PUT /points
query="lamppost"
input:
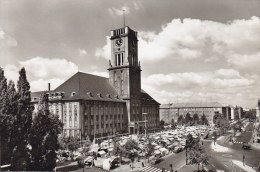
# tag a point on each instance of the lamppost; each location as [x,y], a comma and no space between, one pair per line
[186,152]
[145,124]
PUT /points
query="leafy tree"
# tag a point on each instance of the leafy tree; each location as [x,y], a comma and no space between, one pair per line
[251,114]
[196,118]
[197,154]
[131,145]
[189,141]
[188,119]
[220,122]
[149,148]
[22,124]
[204,120]
[180,120]
[162,124]
[173,125]
[4,118]
[69,143]
[44,137]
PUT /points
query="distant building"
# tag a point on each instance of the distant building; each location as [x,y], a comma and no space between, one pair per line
[174,110]
[258,110]
[93,106]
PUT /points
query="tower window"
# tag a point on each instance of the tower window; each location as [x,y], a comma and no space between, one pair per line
[119,59]
[122,56]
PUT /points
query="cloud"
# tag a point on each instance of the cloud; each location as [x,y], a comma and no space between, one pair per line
[104,52]
[227,73]
[40,67]
[196,86]
[204,40]
[41,71]
[82,52]
[6,40]
[222,78]
[115,11]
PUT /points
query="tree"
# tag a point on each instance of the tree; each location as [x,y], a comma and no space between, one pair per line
[22,124]
[188,119]
[173,125]
[130,148]
[149,148]
[204,120]
[189,141]
[197,154]
[44,137]
[251,114]
[220,121]
[196,118]
[4,118]
[162,124]
[180,120]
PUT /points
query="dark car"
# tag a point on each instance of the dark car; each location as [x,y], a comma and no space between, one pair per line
[246,147]
[156,161]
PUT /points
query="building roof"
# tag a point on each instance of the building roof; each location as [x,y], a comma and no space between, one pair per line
[145,97]
[85,86]
[88,87]
[192,105]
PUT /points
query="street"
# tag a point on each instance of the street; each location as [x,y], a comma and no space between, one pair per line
[220,160]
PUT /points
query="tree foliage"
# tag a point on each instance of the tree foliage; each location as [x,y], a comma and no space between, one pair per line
[22,124]
[180,120]
[220,121]
[173,125]
[162,122]
[188,119]
[197,154]
[44,137]
[5,121]
[204,120]
[196,118]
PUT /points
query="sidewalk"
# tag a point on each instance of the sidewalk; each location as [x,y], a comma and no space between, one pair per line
[244,167]
[127,167]
[190,168]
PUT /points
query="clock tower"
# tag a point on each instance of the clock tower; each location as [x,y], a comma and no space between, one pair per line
[125,71]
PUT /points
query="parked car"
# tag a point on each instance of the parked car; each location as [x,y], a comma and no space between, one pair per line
[246,146]
[156,161]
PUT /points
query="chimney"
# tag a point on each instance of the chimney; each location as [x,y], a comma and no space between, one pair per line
[49,86]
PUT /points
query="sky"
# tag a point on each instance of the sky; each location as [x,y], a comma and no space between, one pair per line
[190,50]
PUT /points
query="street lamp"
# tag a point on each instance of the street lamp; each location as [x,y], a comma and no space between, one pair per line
[145,123]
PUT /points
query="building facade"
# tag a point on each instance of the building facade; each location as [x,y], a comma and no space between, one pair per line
[93,106]
[174,110]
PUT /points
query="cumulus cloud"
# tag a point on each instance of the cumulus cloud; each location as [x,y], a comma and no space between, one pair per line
[223,85]
[112,11]
[104,52]
[6,40]
[236,42]
[40,67]
[82,52]
[41,71]
[222,78]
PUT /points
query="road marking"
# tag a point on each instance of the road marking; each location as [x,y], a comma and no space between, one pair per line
[226,165]
[213,165]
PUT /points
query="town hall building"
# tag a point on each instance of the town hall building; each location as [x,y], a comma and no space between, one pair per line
[91,106]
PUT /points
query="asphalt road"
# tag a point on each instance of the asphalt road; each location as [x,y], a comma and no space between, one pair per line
[177,160]
[252,157]
[220,160]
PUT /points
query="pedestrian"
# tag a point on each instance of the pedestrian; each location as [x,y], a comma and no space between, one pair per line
[142,164]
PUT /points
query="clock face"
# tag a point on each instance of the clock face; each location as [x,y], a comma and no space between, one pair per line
[119,42]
